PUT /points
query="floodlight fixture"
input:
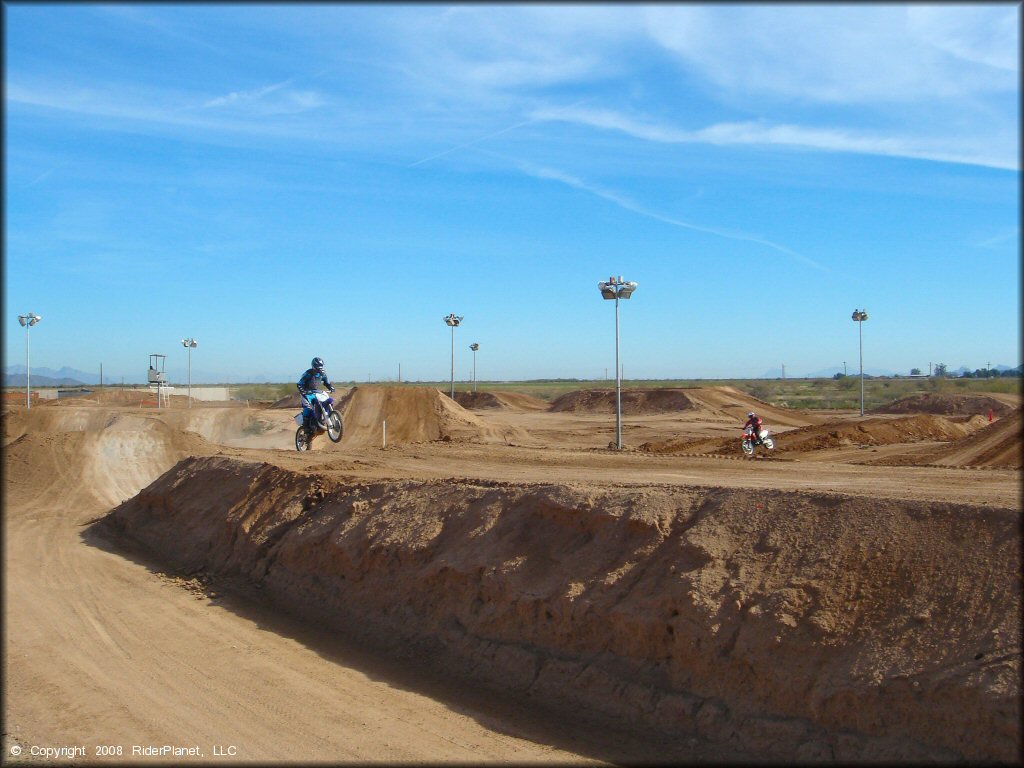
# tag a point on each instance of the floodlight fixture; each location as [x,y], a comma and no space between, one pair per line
[27,321]
[189,344]
[453,322]
[617,288]
[859,316]
[474,346]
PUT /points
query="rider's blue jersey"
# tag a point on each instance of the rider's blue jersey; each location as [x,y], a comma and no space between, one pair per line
[310,380]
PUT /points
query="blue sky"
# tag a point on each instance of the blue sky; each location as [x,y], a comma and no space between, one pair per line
[287,181]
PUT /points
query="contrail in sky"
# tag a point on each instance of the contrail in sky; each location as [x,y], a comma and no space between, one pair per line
[541,118]
[624,202]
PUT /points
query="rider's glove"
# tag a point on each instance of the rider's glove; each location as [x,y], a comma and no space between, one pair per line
[330,389]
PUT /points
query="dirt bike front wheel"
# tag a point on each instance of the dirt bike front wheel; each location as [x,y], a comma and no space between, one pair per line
[748,447]
[334,427]
[303,441]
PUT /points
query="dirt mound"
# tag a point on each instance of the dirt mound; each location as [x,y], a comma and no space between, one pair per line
[910,429]
[110,463]
[1000,444]
[997,445]
[723,401]
[947,404]
[736,404]
[877,431]
[12,422]
[634,401]
[807,626]
[292,401]
[412,415]
[512,401]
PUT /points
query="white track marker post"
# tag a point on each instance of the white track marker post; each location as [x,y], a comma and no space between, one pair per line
[384,433]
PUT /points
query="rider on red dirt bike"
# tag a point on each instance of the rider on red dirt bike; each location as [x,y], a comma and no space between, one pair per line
[308,385]
[754,422]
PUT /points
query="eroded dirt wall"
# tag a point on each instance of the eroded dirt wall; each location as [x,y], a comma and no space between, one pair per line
[800,625]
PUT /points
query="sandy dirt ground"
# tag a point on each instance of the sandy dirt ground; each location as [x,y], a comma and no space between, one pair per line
[184,577]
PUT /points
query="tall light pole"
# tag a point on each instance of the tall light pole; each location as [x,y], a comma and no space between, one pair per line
[27,321]
[859,316]
[617,288]
[189,344]
[453,321]
[474,346]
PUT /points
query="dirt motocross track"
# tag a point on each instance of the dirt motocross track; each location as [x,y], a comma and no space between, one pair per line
[496,585]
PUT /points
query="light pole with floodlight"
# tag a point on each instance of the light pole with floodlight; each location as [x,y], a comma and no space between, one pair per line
[453,321]
[617,288]
[27,321]
[189,344]
[474,346]
[859,316]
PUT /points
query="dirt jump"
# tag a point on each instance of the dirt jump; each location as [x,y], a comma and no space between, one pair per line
[952,405]
[183,575]
[500,400]
[722,401]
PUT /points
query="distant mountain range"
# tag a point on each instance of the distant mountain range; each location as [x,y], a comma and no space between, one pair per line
[14,376]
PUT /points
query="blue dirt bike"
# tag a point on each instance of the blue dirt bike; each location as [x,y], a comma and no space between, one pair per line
[324,419]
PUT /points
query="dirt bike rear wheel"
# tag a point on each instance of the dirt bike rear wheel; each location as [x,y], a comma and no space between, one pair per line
[303,440]
[334,427]
[769,443]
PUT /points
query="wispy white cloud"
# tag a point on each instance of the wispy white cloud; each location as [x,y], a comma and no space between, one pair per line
[541,116]
[623,201]
[247,113]
[285,100]
[998,239]
[495,48]
[762,133]
[984,34]
[145,17]
[844,53]
[43,176]
[236,97]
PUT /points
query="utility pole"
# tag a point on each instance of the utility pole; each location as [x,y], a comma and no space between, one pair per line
[783,371]
[101,375]
[844,367]
[929,370]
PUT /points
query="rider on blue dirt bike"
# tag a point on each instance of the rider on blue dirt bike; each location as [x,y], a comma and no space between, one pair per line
[308,386]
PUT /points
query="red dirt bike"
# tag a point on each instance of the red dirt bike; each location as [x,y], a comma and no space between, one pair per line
[748,440]
[324,419]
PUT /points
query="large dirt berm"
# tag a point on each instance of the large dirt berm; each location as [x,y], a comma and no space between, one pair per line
[803,626]
[999,445]
[399,415]
[947,404]
[634,401]
[873,431]
[506,401]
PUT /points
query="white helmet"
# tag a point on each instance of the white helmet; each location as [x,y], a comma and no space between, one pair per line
[751,415]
